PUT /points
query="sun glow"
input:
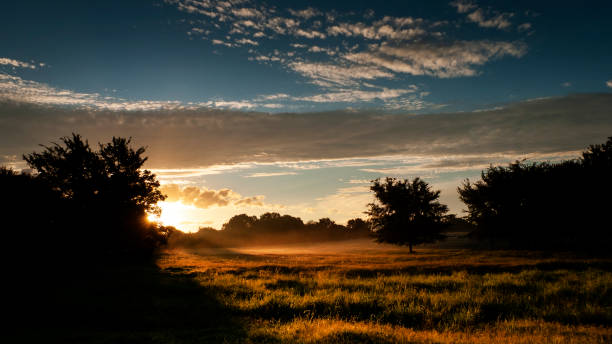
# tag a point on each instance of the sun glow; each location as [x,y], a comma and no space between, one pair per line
[178,215]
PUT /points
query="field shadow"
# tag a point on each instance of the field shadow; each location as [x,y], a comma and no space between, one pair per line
[120,304]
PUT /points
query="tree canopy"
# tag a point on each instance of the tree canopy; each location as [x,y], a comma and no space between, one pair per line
[544,204]
[96,202]
[406,212]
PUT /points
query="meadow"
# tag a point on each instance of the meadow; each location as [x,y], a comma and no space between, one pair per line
[340,292]
[363,292]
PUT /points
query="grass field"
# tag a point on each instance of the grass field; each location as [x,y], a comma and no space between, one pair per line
[348,292]
[361,292]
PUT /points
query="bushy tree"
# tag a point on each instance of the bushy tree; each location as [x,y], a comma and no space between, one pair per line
[544,204]
[358,227]
[502,197]
[598,156]
[102,197]
[406,212]
[127,184]
[239,225]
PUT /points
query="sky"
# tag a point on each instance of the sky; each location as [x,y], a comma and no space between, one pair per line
[294,107]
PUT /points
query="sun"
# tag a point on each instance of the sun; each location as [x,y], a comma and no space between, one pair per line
[188,218]
[173,214]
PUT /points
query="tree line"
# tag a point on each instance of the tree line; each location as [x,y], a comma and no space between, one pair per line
[271,229]
[92,204]
[540,205]
[545,205]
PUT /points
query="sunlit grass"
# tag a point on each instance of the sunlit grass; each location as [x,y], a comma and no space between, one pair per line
[338,331]
[445,296]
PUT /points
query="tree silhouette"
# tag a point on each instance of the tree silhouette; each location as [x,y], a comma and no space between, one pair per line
[599,156]
[358,227]
[544,204]
[128,185]
[240,225]
[103,197]
[407,212]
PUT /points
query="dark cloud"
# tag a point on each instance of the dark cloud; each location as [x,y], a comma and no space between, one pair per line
[197,138]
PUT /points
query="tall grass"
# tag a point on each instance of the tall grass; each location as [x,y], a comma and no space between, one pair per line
[444,296]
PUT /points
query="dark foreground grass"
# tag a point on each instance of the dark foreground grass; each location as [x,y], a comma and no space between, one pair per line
[365,294]
[119,304]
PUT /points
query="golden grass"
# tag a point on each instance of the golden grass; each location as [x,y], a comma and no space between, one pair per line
[338,331]
[382,294]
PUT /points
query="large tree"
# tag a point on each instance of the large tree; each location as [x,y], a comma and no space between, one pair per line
[103,196]
[406,212]
[561,205]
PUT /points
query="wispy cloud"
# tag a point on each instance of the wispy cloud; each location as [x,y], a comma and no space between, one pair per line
[332,163]
[274,96]
[524,26]
[340,54]
[310,34]
[349,95]
[386,28]
[359,181]
[173,173]
[270,174]
[486,18]
[306,13]
[444,60]
[221,42]
[246,41]
[4,61]
[17,89]
[499,21]
[241,104]
[460,162]
[327,74]
[411,103]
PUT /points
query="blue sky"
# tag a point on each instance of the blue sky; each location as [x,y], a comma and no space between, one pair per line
[294,106]
[286,56]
